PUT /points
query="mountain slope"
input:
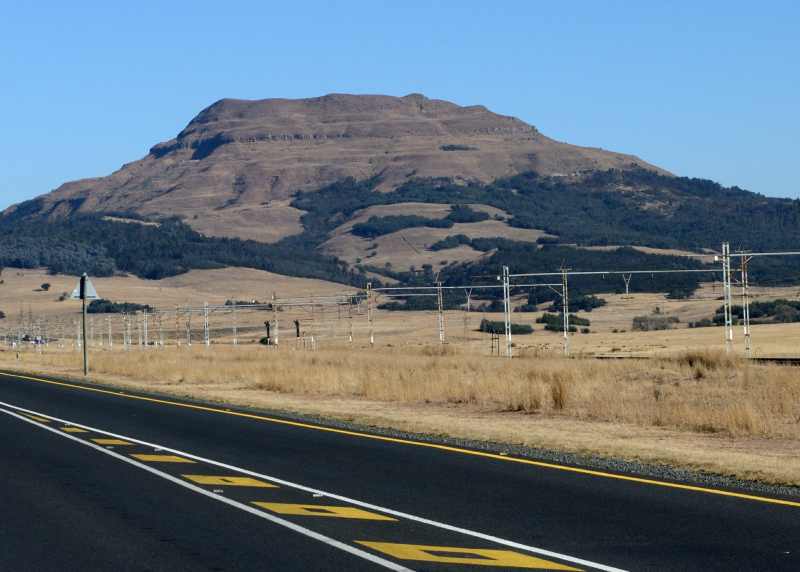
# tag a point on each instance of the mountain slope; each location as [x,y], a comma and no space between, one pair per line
[234,169]
[344,187]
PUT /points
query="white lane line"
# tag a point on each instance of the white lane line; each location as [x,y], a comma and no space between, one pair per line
[241,506]
[403,515]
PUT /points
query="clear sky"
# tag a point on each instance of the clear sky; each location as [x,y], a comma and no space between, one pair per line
[702,88]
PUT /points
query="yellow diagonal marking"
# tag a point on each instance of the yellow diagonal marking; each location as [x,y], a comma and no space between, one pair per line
[229,481]
[73,430]
[467,556]
[161,458]
[323,511]
[39,419]
[111,442]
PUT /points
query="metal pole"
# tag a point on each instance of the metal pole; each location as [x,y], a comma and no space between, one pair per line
[275,316]
[507,312]
[565,308]
[728,309]
[440,302]
[466,315]
[235,327]
[206,330]
[369,314]
[746,307]
[85,345]
[627,279]
[188,325]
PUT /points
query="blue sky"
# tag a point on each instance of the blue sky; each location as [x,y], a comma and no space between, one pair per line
[707,89]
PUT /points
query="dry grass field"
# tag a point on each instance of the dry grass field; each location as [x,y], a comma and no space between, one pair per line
[701,410]
[21,289]
[690,405]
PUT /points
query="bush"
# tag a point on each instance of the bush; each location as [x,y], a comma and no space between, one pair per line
[378,226]
[579,303]
[497,327]
[457,147]
[450,242]
[679,293]
[555,322]
[773,311]
[102,306]
[653,322]
[463,213]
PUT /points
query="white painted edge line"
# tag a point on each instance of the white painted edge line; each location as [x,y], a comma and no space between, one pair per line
[241,506]
[399,514]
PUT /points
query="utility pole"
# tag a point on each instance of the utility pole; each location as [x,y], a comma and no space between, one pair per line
[369,314]
[728,301]
[507,311]
[627,279]
[110,333]
[188,325]
[466,315]
[206,329]
[565,308]
[275,317]
[440,303]
[235,326]
[748,348]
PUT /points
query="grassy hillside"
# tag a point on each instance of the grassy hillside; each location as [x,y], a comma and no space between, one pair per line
[612,207]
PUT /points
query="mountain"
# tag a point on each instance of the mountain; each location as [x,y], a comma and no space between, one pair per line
[235,167]
[348,188]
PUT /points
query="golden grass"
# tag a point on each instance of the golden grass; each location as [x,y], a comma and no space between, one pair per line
[695,391]
[702,410]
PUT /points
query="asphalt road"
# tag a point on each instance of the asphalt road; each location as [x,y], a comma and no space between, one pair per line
[99,480]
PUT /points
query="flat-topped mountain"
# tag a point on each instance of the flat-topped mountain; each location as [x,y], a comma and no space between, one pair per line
[357,187]
[235,167]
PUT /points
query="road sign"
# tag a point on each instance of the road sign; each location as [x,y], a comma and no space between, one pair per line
[84,290]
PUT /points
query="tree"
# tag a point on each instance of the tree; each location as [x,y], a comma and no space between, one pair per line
[45,286]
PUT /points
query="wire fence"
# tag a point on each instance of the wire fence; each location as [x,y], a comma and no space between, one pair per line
[483,316]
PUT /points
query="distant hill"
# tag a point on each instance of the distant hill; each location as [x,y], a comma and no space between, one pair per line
[349,188]
[234,169]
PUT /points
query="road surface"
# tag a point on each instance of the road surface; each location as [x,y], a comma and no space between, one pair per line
[98,479]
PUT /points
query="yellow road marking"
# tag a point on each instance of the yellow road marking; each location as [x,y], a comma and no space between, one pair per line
[39,419]
[73,430]
[437,446]
[229,481]
[161,458]
[111,442]
[324,511]
[469,556]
